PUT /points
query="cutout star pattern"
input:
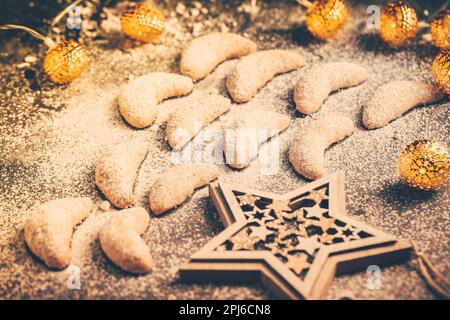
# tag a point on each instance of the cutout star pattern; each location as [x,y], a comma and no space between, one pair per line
[242,242]
[297,263]
[247,200]
[308,245]
[260,232]
[315,212]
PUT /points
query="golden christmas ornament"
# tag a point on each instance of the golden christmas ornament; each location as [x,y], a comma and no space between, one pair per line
[440,30]
[143,22]
[398,23]
[441,69]
[66,61]
[425,164]
[326,17]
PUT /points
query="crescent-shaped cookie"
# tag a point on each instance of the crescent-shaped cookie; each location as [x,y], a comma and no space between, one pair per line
[138,99]
[174,186]
[205,53]
[247,131]
[48,231]
[117,169]
[187,121]
[255,70]
[307,151]
[316,84]
[120,239]
[392,100]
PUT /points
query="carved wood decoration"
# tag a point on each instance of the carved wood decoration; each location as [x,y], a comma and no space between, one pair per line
[293,243]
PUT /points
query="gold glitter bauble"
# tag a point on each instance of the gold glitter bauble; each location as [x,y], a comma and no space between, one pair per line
[398,23]
[441,69]
[425,164]
[440,30]
[143,22]
[66,61]
[326,17]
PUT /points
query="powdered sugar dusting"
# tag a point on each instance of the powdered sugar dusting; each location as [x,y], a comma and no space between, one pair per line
[51,144]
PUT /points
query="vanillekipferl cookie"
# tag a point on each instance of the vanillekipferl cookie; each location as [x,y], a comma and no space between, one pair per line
[317,83]
[252,72]
[116,171]
[185,122]
[307,150]
[139,98]
[244,134]
[205,53]
[120,239]
[48,230]
[175,185]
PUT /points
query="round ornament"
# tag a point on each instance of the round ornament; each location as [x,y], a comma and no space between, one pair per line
[143,22]
[398,23]
[441,70]
[440,30]
[326,17]
[66,61]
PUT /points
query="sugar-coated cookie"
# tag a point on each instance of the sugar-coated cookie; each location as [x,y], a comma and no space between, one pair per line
[120,239]
[314,87]
[117,169]
[246,132]
[392,100]
[174,186]
[205,53]
[255,70]
[186,122]
[138,99]
[307,150]
[48,231]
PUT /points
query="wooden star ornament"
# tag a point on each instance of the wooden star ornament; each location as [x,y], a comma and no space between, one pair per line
[295,257]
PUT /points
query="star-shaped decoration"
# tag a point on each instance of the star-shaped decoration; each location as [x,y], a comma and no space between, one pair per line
[279,206]
[323,223]
[348,232]
[315,212]
[308,245]
[242,241]
[297,263]
[261,232]
[276,250]
[287,216]
[325,238]
[300,265]
[276,224]
[247,200]
[258,215]
[299,215]
[317,195]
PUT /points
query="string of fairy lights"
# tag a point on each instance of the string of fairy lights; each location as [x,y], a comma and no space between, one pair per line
[144,22]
